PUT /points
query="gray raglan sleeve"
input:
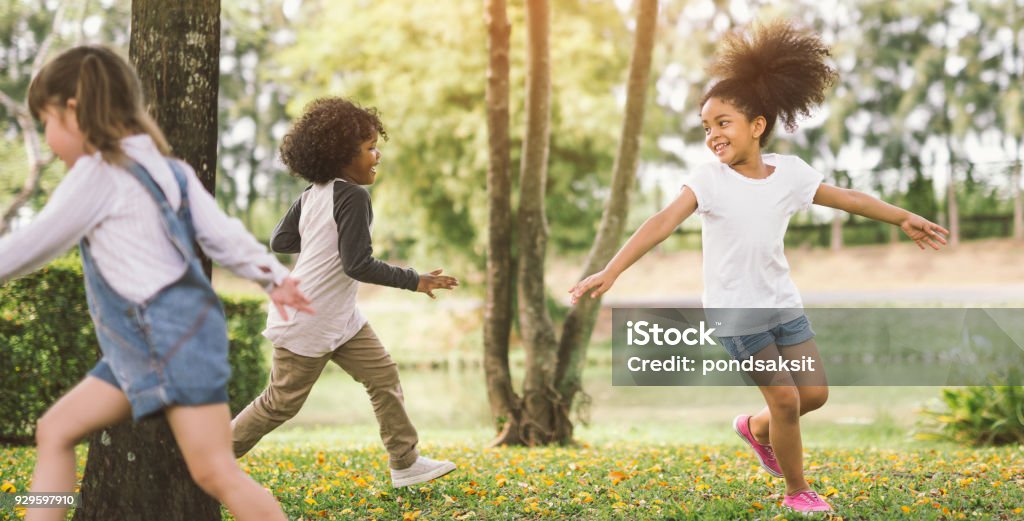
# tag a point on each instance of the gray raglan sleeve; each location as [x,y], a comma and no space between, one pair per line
[285,238]
[353,214]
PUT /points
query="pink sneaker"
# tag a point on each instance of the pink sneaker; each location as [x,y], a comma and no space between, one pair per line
[765,454]
[806,501]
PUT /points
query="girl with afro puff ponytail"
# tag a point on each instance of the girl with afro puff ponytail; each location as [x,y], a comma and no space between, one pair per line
[776,72]
[762,75]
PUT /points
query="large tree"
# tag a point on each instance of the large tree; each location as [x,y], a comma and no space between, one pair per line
[136,469]
[498,304]
[553,368]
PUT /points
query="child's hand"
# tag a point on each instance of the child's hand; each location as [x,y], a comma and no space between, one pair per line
[287,293]
[600,282]
[434,280]
[923,231]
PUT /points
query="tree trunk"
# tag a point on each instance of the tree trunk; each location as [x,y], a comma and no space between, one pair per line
[1018,204]
[579,325]
[505,406]
[541,403]
[953,209]
[134,469]
[176,50]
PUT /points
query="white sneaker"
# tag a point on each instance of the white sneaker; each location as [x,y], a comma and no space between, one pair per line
[424,469]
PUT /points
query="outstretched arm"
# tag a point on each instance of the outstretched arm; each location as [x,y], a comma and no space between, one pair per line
[79,203]
[920,230]
[353,215]
[654,230]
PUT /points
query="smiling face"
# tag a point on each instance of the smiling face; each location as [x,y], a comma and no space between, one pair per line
[363,168]
[729,134]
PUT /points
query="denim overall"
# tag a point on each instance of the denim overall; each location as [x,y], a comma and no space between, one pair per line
[173,348]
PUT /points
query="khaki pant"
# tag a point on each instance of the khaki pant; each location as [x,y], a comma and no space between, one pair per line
[292,377]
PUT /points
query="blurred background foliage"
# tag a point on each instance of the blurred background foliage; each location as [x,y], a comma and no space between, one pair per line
[929,91]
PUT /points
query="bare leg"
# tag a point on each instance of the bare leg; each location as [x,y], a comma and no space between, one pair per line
[784,429]
[812,387]
[86,408]
[204,435]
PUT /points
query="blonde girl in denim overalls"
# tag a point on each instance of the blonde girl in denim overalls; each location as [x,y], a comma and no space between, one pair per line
[135,213]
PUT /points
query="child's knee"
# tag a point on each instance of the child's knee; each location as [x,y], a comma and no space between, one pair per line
[813,398]
[280,406]
[280,410]
[213,476]
[783,400]
[52,432]
[381,378]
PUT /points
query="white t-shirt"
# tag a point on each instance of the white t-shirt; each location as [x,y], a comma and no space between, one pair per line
[744,221]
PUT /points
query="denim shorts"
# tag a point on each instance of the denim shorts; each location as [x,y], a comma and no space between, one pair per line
[790,333]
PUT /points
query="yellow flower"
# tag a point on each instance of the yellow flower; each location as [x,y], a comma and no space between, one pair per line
[616,477]
[411,516]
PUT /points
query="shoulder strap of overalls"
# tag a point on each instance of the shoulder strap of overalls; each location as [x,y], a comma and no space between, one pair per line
[178,225]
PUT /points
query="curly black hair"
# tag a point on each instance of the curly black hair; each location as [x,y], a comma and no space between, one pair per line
[777,71]
[326,138]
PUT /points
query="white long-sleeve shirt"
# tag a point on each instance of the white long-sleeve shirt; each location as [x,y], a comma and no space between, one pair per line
[110,207]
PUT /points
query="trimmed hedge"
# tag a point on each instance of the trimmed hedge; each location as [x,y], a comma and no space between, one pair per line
[47,345]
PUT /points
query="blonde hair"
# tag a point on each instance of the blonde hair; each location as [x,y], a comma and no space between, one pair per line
[108,95]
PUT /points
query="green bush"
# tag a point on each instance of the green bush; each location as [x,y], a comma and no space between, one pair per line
[49,345]
[980,415]
[246,319]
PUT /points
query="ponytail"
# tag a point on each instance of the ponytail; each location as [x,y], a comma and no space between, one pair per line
[107,94]
[777,71]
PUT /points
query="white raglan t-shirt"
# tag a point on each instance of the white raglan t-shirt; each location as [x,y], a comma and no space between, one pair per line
[744,221]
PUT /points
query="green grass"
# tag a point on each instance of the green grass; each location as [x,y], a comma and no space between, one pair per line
[318,476]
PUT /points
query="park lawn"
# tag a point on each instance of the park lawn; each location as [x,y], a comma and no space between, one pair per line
[622,480]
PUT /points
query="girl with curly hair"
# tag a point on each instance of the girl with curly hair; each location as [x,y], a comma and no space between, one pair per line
[774,72]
